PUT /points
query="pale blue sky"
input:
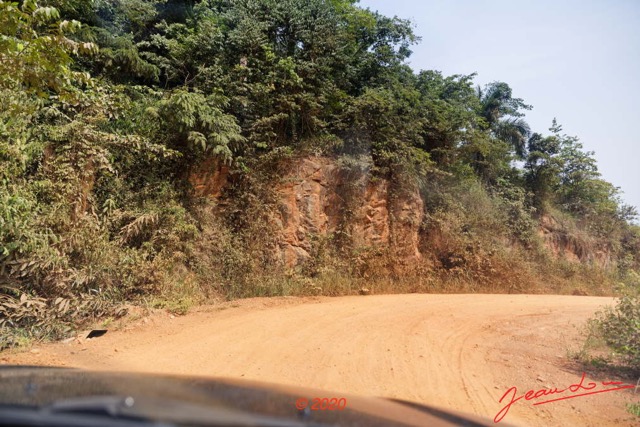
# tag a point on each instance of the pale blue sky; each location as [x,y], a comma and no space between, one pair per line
[577,60]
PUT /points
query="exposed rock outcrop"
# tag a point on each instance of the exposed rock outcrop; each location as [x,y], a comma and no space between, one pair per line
[209,178]
[317,198]
[573,248]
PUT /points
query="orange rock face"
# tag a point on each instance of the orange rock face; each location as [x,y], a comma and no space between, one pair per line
[317,199]
[209,178]
[573,249]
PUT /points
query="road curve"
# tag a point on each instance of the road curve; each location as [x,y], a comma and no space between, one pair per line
[455,351]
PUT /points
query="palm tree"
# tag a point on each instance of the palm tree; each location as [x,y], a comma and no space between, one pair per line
[514,131]
[502,114]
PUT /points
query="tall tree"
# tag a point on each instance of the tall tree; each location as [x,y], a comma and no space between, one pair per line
[503,114]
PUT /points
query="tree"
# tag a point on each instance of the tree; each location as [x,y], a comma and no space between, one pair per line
[35,50]
[449,107]
[193,123]
[543,167]
[503,114]
[36,57]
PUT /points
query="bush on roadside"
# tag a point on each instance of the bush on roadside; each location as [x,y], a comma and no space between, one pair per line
[620,325]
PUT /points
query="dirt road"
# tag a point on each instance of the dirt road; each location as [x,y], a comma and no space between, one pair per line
[455,351]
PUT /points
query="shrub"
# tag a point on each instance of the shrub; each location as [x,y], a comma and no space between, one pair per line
[620,325]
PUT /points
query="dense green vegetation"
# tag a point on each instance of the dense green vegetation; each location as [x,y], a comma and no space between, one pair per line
[106,106]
